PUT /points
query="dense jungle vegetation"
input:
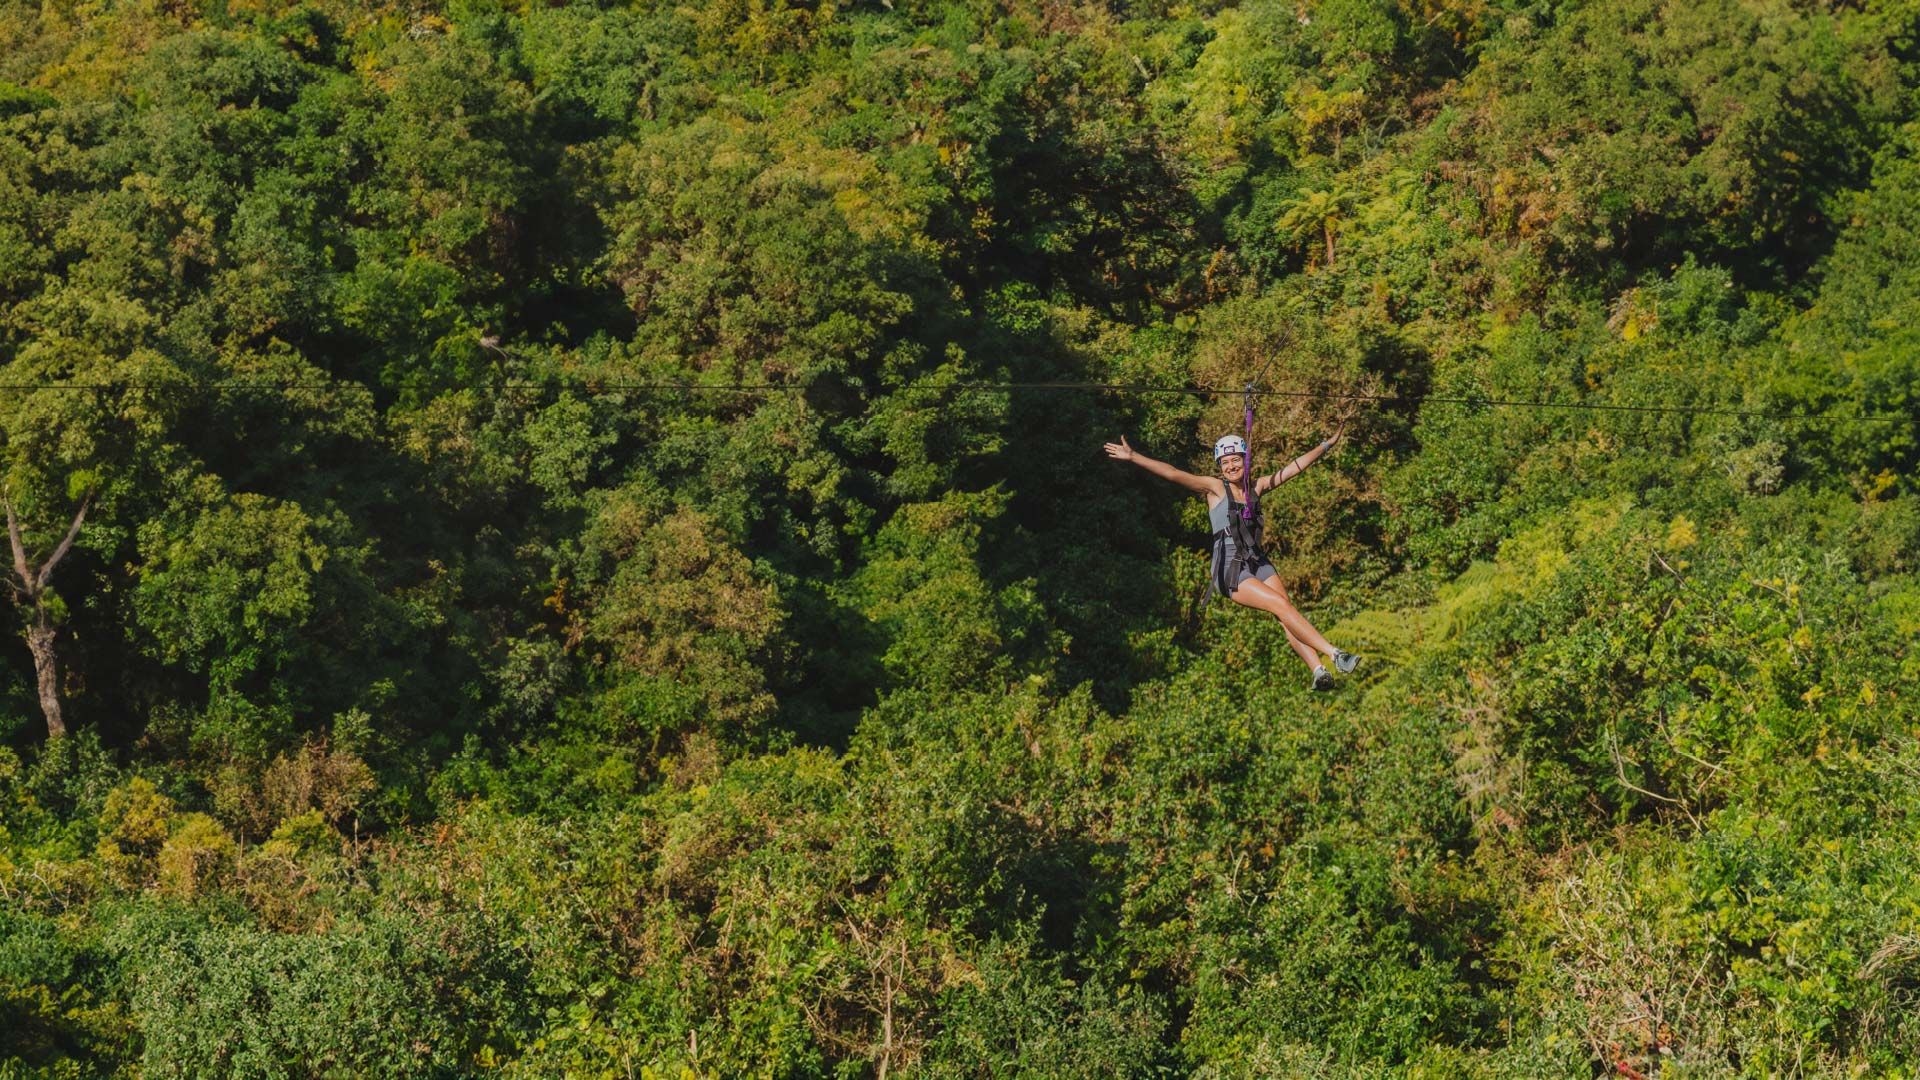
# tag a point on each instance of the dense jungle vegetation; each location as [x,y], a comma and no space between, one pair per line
[435,691]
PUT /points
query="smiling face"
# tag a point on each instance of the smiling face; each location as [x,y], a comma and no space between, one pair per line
[1233,467]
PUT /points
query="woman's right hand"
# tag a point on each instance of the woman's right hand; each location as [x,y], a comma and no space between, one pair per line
[1120,451]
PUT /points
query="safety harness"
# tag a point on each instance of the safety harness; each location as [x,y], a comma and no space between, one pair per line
[1246,528]
[1247,535]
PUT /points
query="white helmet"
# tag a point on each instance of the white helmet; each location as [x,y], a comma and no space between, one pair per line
[1229,444]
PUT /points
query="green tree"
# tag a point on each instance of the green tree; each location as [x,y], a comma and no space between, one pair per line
[1316,216]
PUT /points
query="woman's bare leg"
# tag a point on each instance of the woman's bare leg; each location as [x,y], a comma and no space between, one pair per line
[1300,649]
[1255,593]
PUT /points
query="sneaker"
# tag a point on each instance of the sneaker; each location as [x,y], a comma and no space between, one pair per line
[1322,678]
[1345,661]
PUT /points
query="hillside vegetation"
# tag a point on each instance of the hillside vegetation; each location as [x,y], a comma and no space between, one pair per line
[432,689]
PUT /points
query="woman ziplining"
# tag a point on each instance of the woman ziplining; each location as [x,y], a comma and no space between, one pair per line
[1241,569]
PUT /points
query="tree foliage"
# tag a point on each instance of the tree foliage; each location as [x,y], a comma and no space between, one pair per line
[541,578]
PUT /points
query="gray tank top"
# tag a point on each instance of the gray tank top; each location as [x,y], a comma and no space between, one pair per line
[1227,570]
[1217,514]
[1218,518]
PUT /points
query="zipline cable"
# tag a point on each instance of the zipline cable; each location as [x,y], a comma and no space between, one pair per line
[1207,391]
[596,387]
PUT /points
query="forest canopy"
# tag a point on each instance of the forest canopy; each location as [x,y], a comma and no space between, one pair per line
[523,558]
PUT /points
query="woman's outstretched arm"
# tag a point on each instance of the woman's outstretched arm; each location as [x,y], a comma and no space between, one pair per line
[1300,464]
[1200,485]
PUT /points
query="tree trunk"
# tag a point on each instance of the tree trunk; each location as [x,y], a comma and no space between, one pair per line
[46,666]
[30,591]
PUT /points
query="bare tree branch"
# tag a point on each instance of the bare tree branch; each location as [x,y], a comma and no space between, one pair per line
[66,545]
[19,547]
